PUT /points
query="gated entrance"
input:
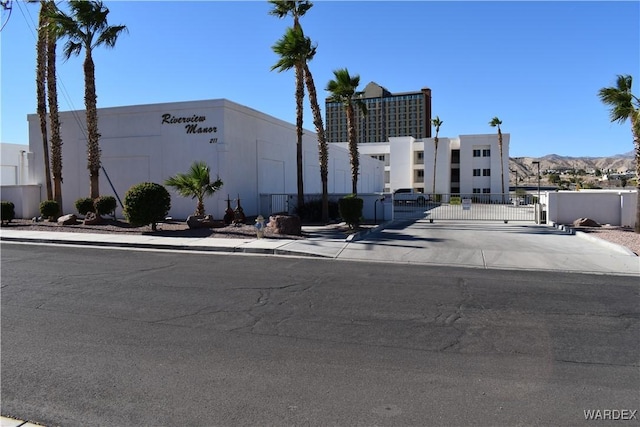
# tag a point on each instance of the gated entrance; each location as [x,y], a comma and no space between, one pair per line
[473,207]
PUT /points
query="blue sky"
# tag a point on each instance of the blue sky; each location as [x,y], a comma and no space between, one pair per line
[535,65]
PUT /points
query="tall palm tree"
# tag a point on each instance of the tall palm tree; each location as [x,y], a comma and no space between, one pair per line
[323,148]
[54,117]
[493,123]
[86,27]
[282,9]
[344,90]
[195,184]
[297,45]
[437,123]
[625,105]
[41,91]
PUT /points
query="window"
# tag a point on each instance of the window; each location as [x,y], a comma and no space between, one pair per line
[476,153]
[455,156]
[420,173]
[476,172]
[486,152]
[486,190]
[486,172]
[476,191]
[420,155]
[455,175]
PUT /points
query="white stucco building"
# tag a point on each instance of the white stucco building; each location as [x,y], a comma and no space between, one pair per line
[253,153]
[468,164]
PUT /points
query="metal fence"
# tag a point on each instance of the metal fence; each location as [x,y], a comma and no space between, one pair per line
[476,207]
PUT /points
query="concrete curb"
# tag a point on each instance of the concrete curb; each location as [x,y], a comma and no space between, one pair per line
[185,248]
[614,246]
[610,245]
[567,229]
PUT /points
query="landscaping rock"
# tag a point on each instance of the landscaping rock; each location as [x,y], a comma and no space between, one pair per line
[92,219]
[200,221]
[585,222]
[69,219]
[285,224]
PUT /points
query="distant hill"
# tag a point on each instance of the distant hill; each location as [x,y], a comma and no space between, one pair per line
[619,163]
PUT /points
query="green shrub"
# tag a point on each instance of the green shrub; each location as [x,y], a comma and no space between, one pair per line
[84,205]
[351,210]
[146,203]
[311,211]
[8,212]
[49,209]
[105,205]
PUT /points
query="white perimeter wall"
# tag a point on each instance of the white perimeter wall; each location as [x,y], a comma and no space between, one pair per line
[605,207]
[252,152]
[14,163]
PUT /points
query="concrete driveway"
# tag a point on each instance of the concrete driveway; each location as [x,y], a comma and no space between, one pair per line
[491,244]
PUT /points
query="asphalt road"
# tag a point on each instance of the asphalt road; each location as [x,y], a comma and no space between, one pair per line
[127,338]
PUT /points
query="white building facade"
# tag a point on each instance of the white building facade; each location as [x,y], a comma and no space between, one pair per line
[468,164]
[253,153]
[14,164]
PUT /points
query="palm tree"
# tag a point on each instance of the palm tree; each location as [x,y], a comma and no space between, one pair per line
[41,91]
[625,105]
[493,123]
[323,148]
[86,27]
[297,45]
[281,9]
[437,123]
[54,118]
[195,184]
[344,90]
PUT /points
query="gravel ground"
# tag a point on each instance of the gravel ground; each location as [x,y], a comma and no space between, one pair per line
[623,236]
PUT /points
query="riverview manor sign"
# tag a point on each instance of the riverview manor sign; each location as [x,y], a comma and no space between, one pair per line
[192,124]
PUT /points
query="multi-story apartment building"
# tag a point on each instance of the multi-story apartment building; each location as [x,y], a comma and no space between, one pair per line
[468,164]
[388,115]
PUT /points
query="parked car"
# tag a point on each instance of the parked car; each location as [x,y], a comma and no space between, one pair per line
[409,196]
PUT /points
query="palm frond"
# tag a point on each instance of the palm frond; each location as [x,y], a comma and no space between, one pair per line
[620,99]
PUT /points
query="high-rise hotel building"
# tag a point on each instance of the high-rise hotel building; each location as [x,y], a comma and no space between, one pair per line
[388,115]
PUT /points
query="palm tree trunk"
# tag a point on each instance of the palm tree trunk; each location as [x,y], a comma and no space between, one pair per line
[435,161]
[502,164]
[200,207]
[635,129]
[54,119]
[41,49]
[353,149]
[299,123]
[93,143]
[323,149]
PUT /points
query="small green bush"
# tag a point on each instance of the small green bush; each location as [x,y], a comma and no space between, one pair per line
[311,211]
[49,209]
[105,205]
[146,203]
[8,212]
[84,205]
[351,210]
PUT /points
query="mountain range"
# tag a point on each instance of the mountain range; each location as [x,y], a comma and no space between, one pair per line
[619,163]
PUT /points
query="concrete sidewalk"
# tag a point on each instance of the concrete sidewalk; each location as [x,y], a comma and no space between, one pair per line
[10,422]
[521,246]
